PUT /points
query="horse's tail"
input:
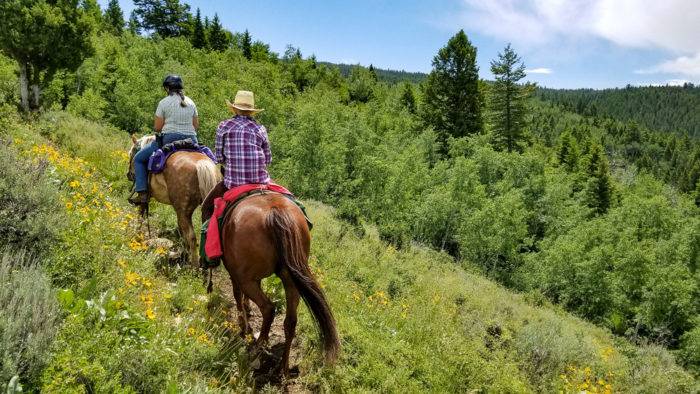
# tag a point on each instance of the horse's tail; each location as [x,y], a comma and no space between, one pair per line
[290,253]
[207,176]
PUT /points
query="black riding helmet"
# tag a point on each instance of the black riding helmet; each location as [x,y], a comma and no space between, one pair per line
[173,82]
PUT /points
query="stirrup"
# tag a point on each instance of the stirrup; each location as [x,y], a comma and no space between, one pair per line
[137,199]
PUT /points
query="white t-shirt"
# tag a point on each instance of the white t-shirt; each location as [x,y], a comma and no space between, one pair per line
[177,119]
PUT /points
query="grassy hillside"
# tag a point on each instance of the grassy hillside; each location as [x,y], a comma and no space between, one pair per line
[410,319]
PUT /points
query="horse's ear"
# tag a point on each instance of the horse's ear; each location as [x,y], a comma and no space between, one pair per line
[133,138]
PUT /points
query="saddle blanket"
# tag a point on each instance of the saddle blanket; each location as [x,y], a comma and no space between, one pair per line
[212,248]
[156,163]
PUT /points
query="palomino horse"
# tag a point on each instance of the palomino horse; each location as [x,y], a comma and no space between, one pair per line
[184,183]
[267,234]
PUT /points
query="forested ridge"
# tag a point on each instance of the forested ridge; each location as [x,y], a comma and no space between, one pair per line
[672,109]
[384,75]
[439,189]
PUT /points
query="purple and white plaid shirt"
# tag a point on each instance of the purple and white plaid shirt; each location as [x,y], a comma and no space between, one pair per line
[242,146]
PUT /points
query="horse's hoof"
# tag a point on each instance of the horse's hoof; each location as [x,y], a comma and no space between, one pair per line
[292,372]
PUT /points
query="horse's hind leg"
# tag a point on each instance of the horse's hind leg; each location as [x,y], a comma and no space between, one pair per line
[242,309]
[253,291]
[290,320]
[184,222]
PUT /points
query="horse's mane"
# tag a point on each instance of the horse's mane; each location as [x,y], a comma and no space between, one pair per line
[140,143]
[146,139]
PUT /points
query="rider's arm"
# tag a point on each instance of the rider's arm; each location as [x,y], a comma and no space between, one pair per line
[195,122]
[195,117]
[266,148]
[219,146]
[158,124]
[159,119]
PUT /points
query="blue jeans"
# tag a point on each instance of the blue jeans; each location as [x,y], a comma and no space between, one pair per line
[142,156]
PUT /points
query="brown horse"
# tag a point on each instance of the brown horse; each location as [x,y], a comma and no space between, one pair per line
[268,234]
[184,183]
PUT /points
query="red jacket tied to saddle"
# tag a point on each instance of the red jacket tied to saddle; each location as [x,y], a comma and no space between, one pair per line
[212,247]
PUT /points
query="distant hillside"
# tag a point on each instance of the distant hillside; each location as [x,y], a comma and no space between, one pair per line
[389,76]
[665,108]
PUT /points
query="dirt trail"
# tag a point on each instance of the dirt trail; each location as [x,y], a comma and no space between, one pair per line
[266,365]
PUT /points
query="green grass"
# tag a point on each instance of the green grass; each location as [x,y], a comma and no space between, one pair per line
[410,320]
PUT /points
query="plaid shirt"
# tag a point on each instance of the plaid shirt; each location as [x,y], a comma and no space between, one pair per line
[242,146]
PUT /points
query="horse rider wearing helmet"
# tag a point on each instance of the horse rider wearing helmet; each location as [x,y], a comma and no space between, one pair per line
[176,118]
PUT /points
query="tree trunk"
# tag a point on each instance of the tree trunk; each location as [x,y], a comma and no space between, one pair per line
[36,97]
[35,85]
[24,86]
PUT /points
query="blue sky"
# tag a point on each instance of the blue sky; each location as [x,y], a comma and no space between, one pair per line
[564,43]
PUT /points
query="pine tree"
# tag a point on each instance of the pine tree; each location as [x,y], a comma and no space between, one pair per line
[599,185]
[361,84]
[507,100]
[134,25]
[373,72]
[217,36]
[408,98]
[568,154]
[114,18]
[246,45]
[167,18]
[63,41]
[199,39]
[92,9]
[451,100]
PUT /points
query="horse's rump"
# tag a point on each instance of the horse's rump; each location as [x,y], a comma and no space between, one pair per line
[190,174]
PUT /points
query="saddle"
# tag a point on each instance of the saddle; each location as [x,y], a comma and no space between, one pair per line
[156,163]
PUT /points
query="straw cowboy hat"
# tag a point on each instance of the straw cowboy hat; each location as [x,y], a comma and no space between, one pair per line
[244,101]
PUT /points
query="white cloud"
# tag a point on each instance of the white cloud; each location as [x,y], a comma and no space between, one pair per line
[525,22]
[684,65]
[668,24]
[672,25]
[539,70]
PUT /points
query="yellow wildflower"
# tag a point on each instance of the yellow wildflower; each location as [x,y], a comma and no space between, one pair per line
[74,184]
[135,245]
[203,338]
[150,314]
[147,299]
[121,263]
[69,205]
[131,278]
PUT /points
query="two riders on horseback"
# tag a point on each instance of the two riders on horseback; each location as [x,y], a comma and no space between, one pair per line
[266,233]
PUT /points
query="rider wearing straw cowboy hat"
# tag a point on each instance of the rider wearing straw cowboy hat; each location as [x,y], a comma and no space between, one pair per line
[242,147]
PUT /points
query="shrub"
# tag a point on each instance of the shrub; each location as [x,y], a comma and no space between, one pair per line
[89,105]
[28,317]
[8,81]
[690,349]
[27,204]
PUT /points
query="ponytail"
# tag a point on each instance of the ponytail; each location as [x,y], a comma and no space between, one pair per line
[183,104]
[182,99]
